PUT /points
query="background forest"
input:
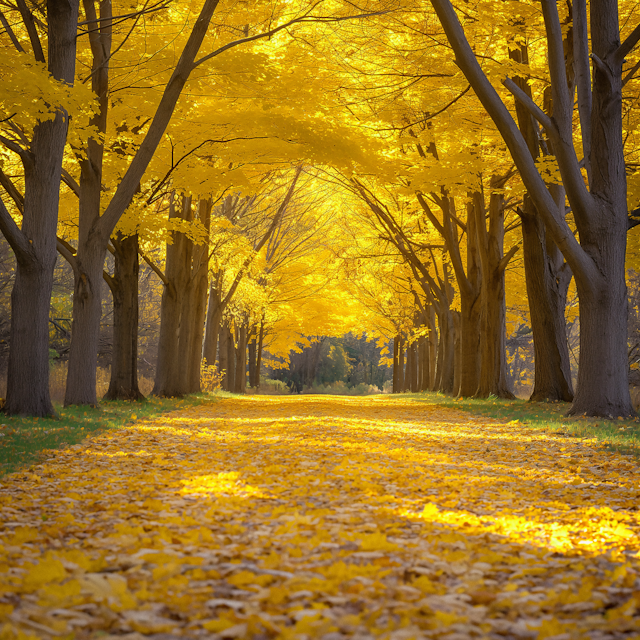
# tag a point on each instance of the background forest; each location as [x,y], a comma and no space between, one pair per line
[319,196]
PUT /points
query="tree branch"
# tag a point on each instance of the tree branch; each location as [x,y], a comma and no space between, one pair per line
[154,268]
[504,261]
[9,30]
[579,260]
[531,107]
[625,48]
[583,77]
[16,239]
[29,23]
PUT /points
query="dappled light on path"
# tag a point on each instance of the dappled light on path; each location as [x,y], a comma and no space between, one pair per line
[299,517]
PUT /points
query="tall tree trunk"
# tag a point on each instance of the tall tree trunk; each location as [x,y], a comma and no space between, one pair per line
[408,378]
[470,315]
[231,357]
[493,375]
[401,374]
[259,355]
[547,279]
[252,349]
[124,287]
[446,352]
[457,359]
[35,244]
[241,360]
[168,370]
[547,276]
[396,364]
[214,318]
[194,306]
[433,347]
[223,366]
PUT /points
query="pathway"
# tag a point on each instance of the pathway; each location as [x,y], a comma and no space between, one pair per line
[322,517]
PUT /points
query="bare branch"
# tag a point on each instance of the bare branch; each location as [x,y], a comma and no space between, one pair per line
[502,265]
[29,23]
[625,48]
[16,239]
[271,32]
[9,30]
[631,73]
[531,107]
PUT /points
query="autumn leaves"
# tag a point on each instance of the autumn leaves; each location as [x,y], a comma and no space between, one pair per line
[317,515]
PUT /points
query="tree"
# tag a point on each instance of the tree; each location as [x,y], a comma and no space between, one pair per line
[35,243]
[599,209]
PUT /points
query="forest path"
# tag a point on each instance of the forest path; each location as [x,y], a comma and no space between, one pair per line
[321,516]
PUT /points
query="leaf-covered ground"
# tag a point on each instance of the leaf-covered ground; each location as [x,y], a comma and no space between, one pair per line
[322,517]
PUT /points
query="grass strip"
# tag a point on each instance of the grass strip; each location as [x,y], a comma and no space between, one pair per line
[619,434]
[24,440]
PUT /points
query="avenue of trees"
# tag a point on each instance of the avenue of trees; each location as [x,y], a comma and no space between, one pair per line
[457,187]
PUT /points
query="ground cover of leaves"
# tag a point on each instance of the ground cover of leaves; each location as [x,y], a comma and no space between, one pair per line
[322,517]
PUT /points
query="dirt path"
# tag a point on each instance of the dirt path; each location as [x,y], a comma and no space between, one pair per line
[315,516]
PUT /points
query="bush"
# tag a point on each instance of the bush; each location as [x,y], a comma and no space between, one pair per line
[340,388]
[273,387]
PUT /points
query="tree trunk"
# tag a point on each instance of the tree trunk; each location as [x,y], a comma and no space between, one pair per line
[124,287]
[446,352]
[547,283]
[85,326]
[241,360]
[168,382]
[401,374]
[214,317]
[408,378]
[493,373]
[194,306]
[547,276]
[227,356]
[259,356]
[470,314]
[396,364]
[223,366]
[252,349]
[457,359]
[35,244]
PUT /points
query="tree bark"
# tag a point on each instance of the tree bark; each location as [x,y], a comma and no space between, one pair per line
[547,280]
[547,276]
[259,355]
[194,305]
[168,382]
[401,373]
[35,244]
[493,373]
[214,317]
[396,364]
[230,341]
[124,287]
[241,360]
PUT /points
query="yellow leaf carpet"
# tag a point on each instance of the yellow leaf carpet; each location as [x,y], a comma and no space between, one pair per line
[322,517]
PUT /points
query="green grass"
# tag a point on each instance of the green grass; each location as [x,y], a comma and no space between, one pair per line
[24,441]
[621,435]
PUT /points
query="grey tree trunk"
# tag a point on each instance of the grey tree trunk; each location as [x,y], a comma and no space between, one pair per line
[214,317]
[547,276]
[241,360]
[35,244]
[168,382]
[124,287]
[493,372]
[396,364]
